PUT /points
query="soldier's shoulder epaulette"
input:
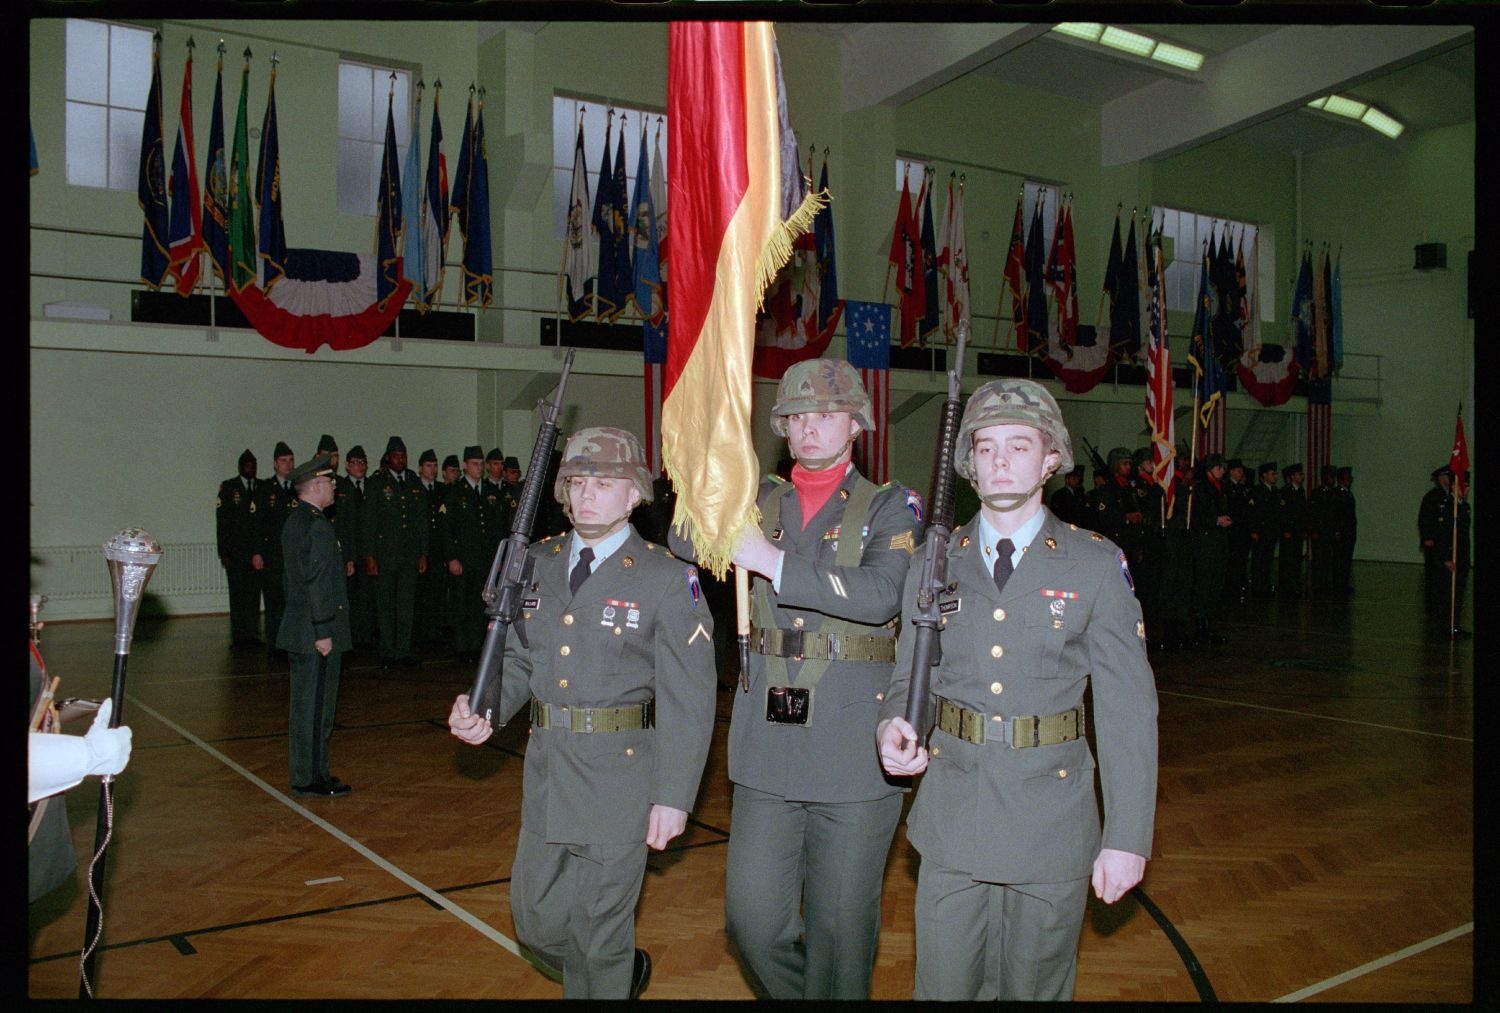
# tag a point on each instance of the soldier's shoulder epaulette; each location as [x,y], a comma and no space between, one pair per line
[774,479]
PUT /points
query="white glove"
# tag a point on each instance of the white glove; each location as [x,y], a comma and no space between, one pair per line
[58,762]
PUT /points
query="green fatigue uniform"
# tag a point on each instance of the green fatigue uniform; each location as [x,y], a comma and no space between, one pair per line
[637,637]
[1345,530]
[1008,834]
[813,812]
[471,525]
[349,502]
[396,534]
[1263,517]
[317,606]
[1293,536]
[237,520]
[278,502]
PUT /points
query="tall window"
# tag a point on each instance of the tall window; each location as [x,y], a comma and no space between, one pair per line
[1189,232]
[363,92]
[566,112]
[108,77]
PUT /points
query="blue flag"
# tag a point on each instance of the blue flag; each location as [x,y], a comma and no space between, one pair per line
[388,217]
[412,193]
[1203,350]
[932,320]
[620,227]
[1301,324]
[272,260]
[868,327]
[646,265]
[1036,285]
[216,185]
[471,198]
[607,297]
[434,213]
[151,185]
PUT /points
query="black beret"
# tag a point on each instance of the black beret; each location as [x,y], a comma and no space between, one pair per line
[1346,472]
[246,456]
[1444,470]
[495,455]
[511,462]
[1233,463]
[1292,469]
[1212,461]
[282,450]
[356,453]
[1267,466]
[394,444]
[325,443]
[473,451]
[319,467]
[451,461]
[428,455]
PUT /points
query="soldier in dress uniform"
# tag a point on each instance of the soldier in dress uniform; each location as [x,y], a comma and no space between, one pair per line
[327,445]
[278,500]
[494,468]
[1346,529]
[813,815]
[1321,506]
[451,470]
[1209,526]
[1293,534]
[1168,600]
[471,525]
[237,519]
[510,476]
[397,533]
[1237,498]
[315,629]
[349,523]
[1263,514]
[1435,529]
[616,664]
[1067,502]
[429,618]
[1006,819]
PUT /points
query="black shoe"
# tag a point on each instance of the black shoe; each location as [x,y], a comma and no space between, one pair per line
[641,976]
[330,788]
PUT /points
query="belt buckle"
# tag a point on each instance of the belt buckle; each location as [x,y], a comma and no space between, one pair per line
[588,719]
[833,646]
[648,713]
[791,644]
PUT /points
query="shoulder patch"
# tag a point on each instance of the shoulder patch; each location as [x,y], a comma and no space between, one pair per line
[694,589]
[914,503]
[1125,571]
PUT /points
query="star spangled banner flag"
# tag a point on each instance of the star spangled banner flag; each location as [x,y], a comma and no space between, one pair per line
[578,252]
[868,327]
[728,242]
[411,201]
[243,255]
[389,219]
[271,256]
[151,182]
[186,222]
[216,186]
[1159,418]
[435,214]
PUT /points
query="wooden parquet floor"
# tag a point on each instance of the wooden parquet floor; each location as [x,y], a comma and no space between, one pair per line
[1314,836]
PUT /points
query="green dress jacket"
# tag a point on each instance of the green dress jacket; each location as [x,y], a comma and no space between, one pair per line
[317,602]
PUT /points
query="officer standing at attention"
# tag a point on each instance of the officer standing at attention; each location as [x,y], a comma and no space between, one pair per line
[279,499]
[1435,529]
[472,525]
[494,468]
[1263,512]
[315,629]
[1210,526]
[1067,502]
[1346,529]
[1237,499]
[1293,534]
[429,617]
[620,681]
[1320,521]
[1006,818]
[451,469]
[396,541]
[813,816]
[237,519]
[349,522]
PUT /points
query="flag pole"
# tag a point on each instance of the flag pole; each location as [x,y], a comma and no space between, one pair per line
[1453,566]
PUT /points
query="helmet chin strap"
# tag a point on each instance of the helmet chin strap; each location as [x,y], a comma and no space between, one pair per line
[824,463]
[1005,502]
[599,530]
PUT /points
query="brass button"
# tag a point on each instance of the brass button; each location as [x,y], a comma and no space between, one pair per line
[629,752]
[997,651]
[618,631]
[943,621]
[937,750]
[999,615]
[567,620]
[563,683]
[528,615]
[998,718]
[1062,773]
[565,651]
[880,696]
[995,688]
[797,623]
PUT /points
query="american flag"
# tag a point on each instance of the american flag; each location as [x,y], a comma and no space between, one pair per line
[868,327]
[1159,379]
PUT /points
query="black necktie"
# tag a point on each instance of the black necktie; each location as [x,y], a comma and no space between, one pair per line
[1003,567]
[580,569]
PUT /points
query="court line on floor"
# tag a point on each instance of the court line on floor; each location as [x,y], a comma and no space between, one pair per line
[1375,965]
[433,896]
[1310,714]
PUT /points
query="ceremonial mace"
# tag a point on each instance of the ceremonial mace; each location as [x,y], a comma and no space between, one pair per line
[131,555]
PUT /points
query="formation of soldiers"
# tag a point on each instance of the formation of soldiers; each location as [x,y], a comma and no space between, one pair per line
[417,545]
[1226,541]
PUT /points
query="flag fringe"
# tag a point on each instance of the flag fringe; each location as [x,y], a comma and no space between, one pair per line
[778,248]
[715,556]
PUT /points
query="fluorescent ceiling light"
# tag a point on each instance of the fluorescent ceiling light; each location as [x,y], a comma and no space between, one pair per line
[1130,42]
[1318,103]
[1340,106]
[1379,121]
[1177,56]
[1088,30]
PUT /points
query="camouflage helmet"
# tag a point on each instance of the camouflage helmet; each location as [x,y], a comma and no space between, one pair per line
[1117,455]
[604,452]
[1024,402]
[821,385]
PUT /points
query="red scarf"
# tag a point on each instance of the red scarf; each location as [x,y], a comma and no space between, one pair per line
[815,487]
